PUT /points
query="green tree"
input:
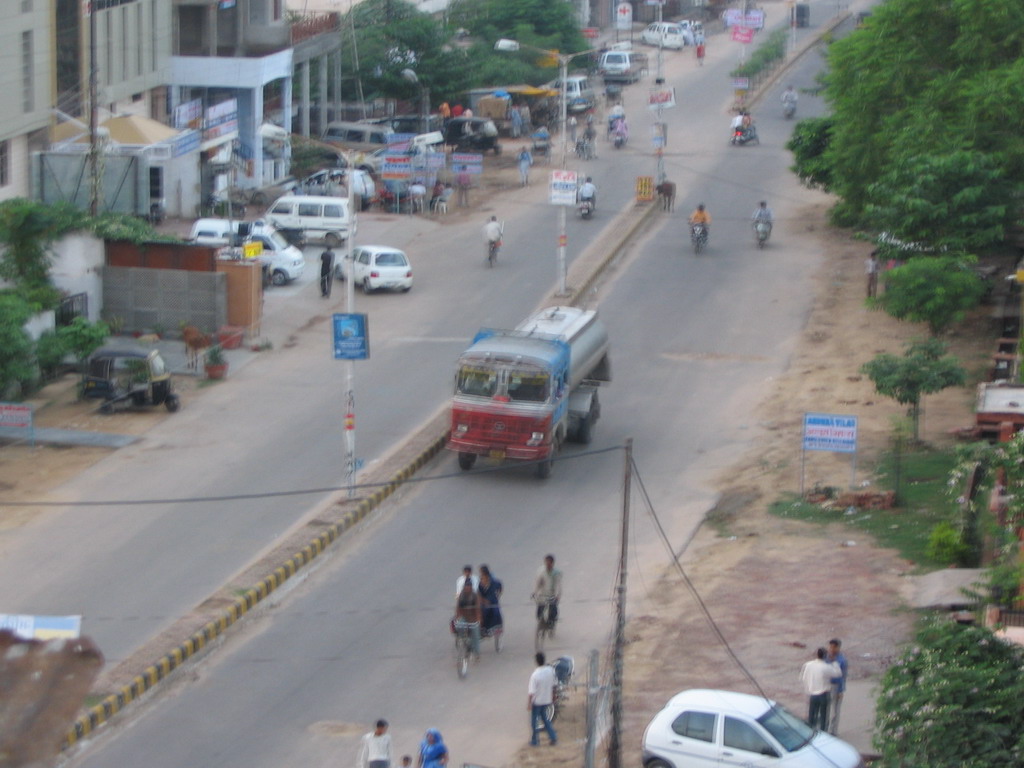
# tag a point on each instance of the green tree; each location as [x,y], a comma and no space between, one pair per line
[82,338]
[954,202]
[27,229]
[808,144]
[922,370]
[952,701]
[933,290]
[922,79]
[16,365]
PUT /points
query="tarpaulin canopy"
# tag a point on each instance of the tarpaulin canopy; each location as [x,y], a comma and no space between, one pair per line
[128,129]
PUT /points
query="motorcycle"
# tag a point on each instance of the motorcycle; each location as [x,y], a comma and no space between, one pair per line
[762,231]
[741,136]
[788,109]
[620,140]
[585,208]
[699,237]
[564,667]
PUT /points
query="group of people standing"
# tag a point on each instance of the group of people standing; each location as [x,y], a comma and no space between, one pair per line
[375,749]
[824,679]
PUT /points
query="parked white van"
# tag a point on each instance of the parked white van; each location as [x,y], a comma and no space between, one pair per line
[319,218]
[668,34]
[579,93]
[284,262]
[622,66]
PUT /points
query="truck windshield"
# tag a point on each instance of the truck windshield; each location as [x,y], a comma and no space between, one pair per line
[529,387]
[475,380]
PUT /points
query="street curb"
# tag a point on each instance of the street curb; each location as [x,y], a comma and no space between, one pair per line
[100,713]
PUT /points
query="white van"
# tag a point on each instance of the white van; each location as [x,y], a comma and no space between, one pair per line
[321,218]
[622,66]
[359,136]
[284,262]
[668,34]
[579,93]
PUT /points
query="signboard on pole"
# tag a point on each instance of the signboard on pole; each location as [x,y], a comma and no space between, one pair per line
[624,16]
[351,336]
[563,187]
[742,34]
[471,163]
[396,167]
[661,98]
[830,432]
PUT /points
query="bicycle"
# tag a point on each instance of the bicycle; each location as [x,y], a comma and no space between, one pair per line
[545,624]
[492,251]
[463,646]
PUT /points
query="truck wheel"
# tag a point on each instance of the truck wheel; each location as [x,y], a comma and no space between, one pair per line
[467,460]
[584,430]
[544,468]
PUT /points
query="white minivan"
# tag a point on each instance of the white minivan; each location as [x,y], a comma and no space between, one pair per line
[313,217]
[284,262]
[668,34]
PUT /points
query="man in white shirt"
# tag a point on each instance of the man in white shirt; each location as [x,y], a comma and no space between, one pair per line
[467,573]
[541,696]
[816,675]
[375,751]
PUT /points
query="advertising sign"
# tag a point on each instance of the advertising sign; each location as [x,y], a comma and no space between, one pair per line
[42,627]
[471,163]
[15,415]
[351,336]
[830,432]
[252,250]
[742,34]
[644,189]
[563,187]
[661,98]
[624,16]
[396,167]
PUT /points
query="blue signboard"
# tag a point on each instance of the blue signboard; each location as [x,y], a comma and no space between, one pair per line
[830,432]
[351,336]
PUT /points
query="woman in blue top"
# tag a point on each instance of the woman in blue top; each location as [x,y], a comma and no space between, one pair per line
[433,752]
[490,593]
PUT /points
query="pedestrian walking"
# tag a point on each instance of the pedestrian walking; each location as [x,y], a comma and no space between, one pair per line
[872,267]
[524,161]
[836,656]
[462,184]
[572,129]
[541,696]
[433,752]
[700,53]
[326,272]
[816,675]
[375,751]
[515,123]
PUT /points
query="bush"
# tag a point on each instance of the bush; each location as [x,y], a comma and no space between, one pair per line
[82,338]
[50,352]
[946,546]
[765,57]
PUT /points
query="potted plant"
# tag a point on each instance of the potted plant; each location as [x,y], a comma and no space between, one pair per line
[215,364]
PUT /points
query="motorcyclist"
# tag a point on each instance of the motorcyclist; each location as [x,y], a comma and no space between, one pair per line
[789,96]
[588,192]
[621,129]
[701,216]
[763,214]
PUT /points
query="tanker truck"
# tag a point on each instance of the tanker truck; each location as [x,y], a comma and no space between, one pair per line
[519,394]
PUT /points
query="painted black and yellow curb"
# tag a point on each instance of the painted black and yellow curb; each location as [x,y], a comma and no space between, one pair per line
[100,713]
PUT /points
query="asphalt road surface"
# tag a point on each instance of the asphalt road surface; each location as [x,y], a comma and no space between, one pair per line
[695,341]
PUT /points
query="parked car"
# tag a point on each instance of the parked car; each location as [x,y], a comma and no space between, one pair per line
[414,123]
[472,134]
[667,34]
[283,261]
[707,729]
[622,66]
[331,182]
[310,216]
[378,267]
[364,137]
[579,92]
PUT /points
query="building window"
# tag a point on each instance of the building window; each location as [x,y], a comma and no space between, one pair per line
[5,163]
[27,100]
[26,6]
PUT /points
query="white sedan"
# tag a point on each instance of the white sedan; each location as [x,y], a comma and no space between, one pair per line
[377,267]
[706,728]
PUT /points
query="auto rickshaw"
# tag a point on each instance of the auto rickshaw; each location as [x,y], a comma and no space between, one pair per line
[135,375]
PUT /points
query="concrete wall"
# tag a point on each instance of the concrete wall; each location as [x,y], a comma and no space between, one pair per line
[78,267]
[163,299]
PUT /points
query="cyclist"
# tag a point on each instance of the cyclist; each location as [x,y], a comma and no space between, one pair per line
[547,590]
[492,235]
[467,616]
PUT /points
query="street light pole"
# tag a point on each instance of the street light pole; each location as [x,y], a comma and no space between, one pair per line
[563,73]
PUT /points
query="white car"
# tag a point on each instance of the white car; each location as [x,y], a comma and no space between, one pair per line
[704,728]
[378,267]
[667,34]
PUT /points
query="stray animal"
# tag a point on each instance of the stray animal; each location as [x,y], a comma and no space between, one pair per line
[195,341]
[667,192]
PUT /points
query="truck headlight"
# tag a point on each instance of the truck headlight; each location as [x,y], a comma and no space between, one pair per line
[462,429]
[536,438]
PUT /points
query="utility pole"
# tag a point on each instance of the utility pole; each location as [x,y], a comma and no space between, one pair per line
[615,738]
[662,130]
[350,306]
[94,147]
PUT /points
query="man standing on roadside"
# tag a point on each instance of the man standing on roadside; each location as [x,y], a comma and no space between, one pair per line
[872,267]
[835,656]
[541,696]
[816,675]
[326,272]
[375,751]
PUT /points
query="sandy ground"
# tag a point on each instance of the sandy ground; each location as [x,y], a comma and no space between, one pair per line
[776,589]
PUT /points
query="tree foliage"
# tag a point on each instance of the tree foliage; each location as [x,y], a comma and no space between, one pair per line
[952,701]
[808,144]
[82,338]
[27,229]
[926,85]
[923,370]
[15,345]
[933,290]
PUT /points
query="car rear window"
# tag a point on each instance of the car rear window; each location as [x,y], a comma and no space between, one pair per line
[391,260]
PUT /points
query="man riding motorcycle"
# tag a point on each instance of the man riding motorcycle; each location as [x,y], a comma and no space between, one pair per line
[701,216]
[588,192]
[700,228]
[762,221]
[789,99]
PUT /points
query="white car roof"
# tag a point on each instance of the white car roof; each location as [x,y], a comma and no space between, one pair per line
[720,701]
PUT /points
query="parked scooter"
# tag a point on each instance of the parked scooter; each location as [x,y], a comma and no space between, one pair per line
[699,237]
[762,231]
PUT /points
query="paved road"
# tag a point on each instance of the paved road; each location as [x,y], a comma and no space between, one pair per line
[695,340]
